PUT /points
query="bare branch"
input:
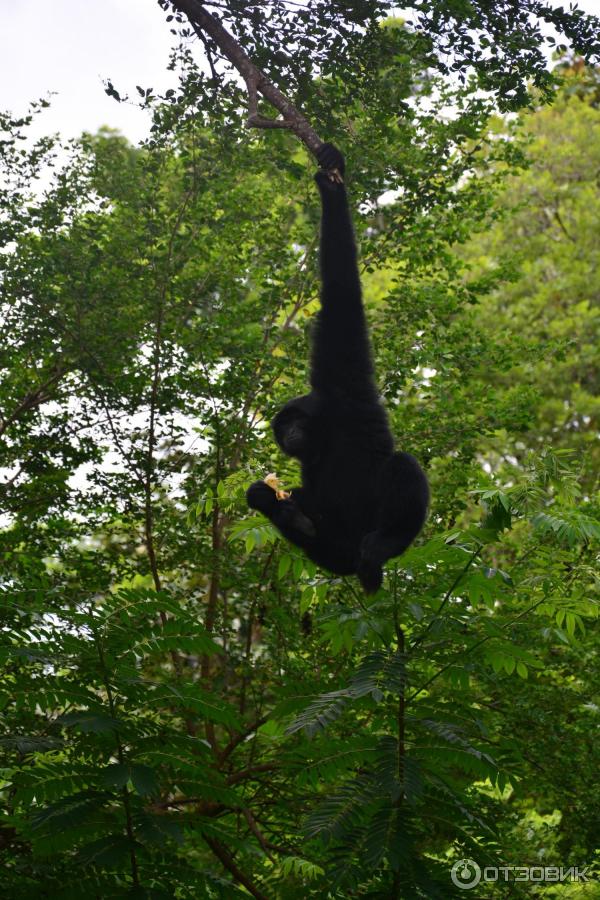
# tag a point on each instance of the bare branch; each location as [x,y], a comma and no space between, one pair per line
[255,119]
[256,81]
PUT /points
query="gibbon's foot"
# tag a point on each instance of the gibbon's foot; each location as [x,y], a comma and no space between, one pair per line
[261,496]
[285,514]
[273,481]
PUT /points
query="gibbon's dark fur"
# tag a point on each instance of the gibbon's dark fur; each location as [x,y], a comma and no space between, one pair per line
[360,502]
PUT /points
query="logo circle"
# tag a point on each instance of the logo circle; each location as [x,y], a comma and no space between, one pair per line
[465,874]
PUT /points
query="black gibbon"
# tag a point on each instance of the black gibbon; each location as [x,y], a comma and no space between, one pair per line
[361,502]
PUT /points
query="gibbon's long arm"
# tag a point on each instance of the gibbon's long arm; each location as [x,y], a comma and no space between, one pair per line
[341,357]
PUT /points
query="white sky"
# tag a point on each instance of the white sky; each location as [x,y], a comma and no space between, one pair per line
[70,46]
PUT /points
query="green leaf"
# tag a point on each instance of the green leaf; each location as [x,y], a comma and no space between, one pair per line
[105,852]
[89,721]
[143,778]
[285,561]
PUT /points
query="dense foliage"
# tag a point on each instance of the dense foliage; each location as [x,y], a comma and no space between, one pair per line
[190,708]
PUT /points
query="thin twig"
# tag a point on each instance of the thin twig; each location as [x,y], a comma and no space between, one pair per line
[449,593]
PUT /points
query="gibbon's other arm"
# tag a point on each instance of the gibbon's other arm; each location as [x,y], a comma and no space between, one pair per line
[341,358]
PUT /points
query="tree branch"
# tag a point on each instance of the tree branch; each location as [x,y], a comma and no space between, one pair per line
[251,772]
[256,81]
[228,862]
[240,737]
[254,828]
[35,397]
